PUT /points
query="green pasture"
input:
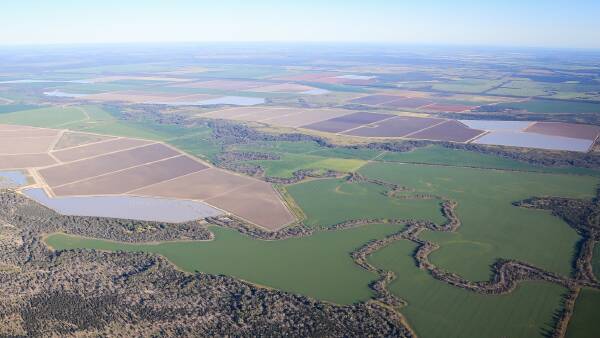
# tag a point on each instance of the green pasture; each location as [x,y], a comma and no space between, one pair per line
[456,157]
[466,85]
[319,266]
[330,201]
[584,323]
[436,309]
[50,117]
[10,108]
[492,227]
[553,106]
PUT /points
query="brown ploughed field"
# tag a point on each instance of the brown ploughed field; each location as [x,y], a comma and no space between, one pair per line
[347,122]
[96,149]
[22,161]
[395,127]
[133,178]
[75,171]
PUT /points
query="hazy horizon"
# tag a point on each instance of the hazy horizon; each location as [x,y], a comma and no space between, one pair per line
[557,24]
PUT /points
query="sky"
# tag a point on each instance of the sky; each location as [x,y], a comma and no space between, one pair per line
[541,23]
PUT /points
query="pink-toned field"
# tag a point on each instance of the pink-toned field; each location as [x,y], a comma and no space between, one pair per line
[572,130]
[450,130]
[25,161]
[96,149]
[286,117]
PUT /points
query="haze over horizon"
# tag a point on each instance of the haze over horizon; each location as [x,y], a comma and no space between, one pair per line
[563,24]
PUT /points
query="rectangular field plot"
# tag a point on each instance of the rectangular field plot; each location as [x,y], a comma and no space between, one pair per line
[73,139]
[376,99]
[450,130]
[408,103]
[251,201]
[347,122]
[29,133]
[97,149]
[450,108]
[133,178]
[395,127]
[198,186]
[580,131]
[26,145]
[75,171]
[25,161]
[307,116]
[286,117]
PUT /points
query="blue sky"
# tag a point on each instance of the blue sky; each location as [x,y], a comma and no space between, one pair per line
[547,23]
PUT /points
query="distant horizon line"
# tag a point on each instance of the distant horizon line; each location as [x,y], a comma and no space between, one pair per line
[302,42]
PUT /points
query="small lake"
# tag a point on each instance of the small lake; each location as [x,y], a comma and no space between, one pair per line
[531,140]
[316,91]
[12,179]
[497,125]
[127,207]
[60,93]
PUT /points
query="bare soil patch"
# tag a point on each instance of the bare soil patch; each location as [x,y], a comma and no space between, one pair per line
[347,122]
[25,161]
[75,171]
[395,127]
[25,145]
[376,99]
[258,203]
[96,149]
[202,185]
[450,130]
[133,178]
[73,139]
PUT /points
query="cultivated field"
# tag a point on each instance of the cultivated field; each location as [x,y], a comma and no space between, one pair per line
[115,166]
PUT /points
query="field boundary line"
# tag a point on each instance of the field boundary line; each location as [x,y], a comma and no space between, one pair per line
[116,171]
[165,181]
[418,131]
[110,153]
[367,124]
[485,132]
[58,137]
[87,144]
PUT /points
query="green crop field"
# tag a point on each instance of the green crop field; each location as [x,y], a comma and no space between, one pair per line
[585,323]
[492,227]
[315,266]
[330,201]
[456,157]
[44,117]
[295,156]
[553,106]
[436,309]
[289,163]
[9,108]
[467,85]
